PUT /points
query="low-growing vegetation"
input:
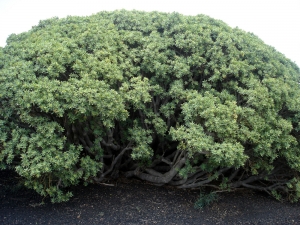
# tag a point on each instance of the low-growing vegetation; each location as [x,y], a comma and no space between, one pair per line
[170,99]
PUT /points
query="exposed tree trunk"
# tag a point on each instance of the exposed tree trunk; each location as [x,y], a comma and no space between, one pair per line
[158,178]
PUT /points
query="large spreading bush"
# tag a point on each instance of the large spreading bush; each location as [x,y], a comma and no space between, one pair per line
[170,99]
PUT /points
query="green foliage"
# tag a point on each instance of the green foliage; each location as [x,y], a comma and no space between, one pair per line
[89,97]
[205,200]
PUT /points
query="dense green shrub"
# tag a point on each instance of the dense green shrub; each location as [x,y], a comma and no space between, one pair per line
[171,99]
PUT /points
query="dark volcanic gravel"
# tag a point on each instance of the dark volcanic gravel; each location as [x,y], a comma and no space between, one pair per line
[136,203]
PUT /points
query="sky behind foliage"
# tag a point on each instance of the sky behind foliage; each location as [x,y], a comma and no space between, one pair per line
[276,22]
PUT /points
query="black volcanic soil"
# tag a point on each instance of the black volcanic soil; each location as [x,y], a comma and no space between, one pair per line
[134,202]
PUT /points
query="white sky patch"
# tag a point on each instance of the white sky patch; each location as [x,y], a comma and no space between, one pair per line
[276,22]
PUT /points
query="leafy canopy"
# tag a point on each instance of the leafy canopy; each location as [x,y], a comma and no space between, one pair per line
[171,99]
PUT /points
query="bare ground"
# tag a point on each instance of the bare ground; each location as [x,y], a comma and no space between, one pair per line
[134,202]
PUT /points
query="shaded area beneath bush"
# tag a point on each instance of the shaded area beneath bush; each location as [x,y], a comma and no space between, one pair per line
[136,202]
